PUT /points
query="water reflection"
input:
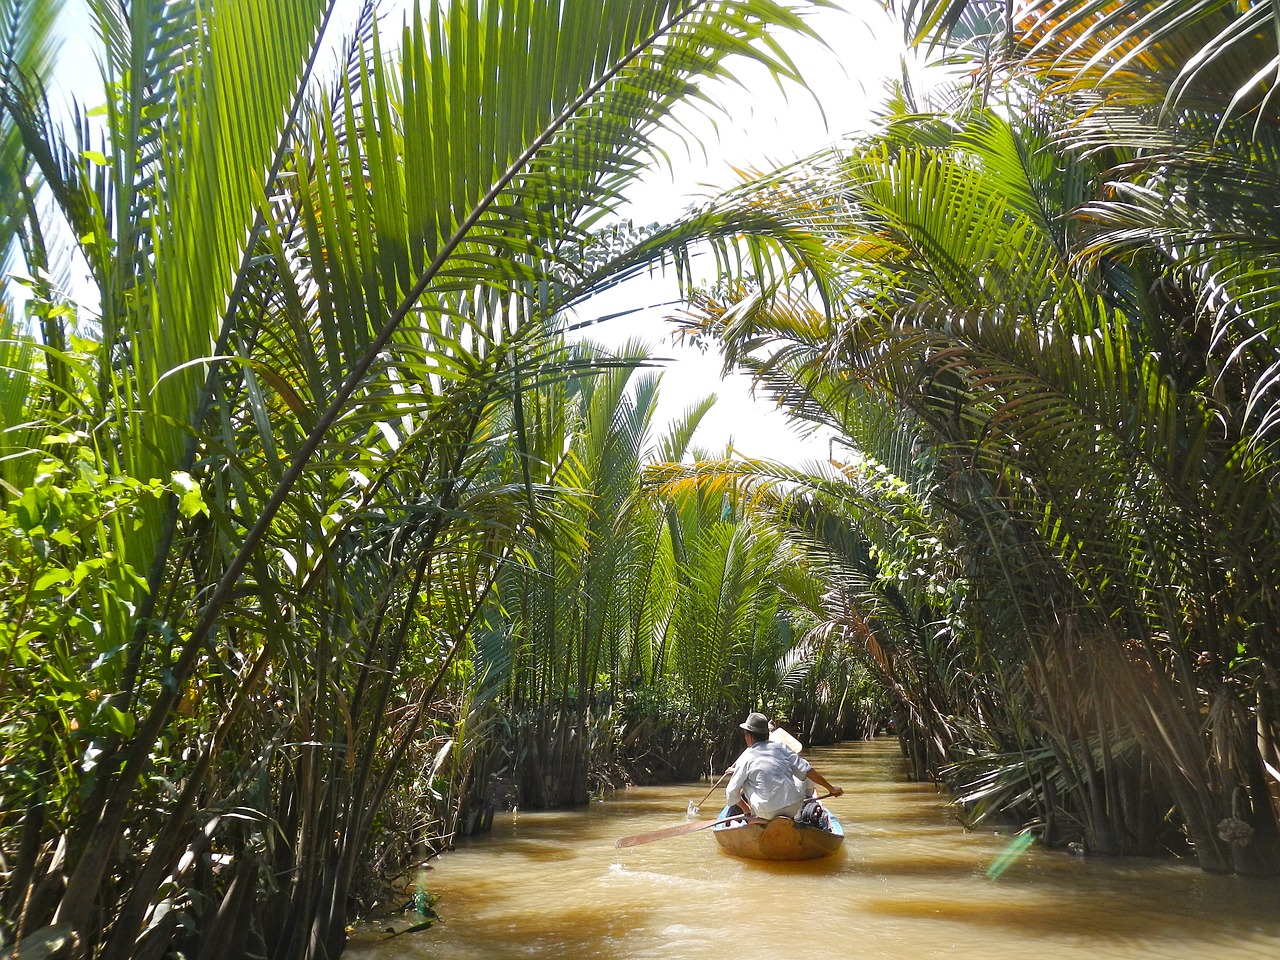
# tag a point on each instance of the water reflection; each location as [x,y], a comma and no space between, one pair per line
[909,883]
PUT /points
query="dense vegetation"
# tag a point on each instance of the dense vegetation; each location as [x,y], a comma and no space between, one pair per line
[1049,338]
[321,537]
[282,495]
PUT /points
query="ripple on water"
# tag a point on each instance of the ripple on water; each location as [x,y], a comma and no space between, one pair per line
[619,871]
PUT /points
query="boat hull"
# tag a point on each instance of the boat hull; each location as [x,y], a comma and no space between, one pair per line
[778,839]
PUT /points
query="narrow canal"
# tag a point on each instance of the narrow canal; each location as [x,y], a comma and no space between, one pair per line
[910,883]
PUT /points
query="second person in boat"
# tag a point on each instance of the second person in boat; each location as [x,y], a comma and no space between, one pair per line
[768,779]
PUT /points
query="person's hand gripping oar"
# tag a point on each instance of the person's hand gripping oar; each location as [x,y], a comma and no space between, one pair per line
[692,810]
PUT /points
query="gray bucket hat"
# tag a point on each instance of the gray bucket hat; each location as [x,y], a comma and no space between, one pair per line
[756,724]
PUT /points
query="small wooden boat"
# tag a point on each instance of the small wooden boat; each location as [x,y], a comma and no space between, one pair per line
[778,839]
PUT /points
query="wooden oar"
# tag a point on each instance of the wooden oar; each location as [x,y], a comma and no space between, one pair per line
[670,832]
[682,829]
[694,808]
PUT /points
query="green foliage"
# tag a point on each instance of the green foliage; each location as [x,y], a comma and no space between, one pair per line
[638,621]
[1058,513]
[325,314]
[67,597]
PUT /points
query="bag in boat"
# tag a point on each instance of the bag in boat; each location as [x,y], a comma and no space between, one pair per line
[812,814]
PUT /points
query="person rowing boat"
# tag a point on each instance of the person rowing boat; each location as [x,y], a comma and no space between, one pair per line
[769,780]
[772,783]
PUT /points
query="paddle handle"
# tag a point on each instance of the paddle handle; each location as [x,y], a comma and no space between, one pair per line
[713,789]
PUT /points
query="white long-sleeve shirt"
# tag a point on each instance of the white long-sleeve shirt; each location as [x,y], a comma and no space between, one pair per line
[771,776]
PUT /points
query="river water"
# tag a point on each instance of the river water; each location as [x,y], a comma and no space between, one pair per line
[910,883]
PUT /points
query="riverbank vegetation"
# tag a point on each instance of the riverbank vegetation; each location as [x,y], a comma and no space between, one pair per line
[322,538]
[1050,345]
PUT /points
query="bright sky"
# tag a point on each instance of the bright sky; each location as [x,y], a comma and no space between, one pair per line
[761,127]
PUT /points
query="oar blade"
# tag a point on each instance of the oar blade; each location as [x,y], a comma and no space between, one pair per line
[658,835]
[669,832]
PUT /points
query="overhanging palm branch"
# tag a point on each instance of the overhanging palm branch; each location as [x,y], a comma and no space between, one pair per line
[331,311]
[1197,45]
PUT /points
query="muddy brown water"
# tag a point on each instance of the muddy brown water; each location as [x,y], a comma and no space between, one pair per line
[910,884]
